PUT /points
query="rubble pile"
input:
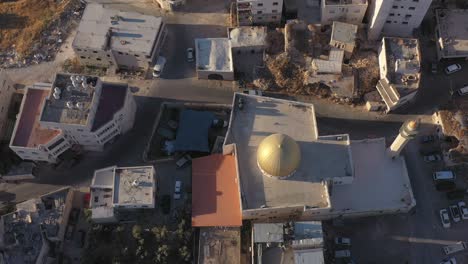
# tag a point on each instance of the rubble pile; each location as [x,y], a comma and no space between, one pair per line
[275,41]
[288,76]
[43,40]
[367,65]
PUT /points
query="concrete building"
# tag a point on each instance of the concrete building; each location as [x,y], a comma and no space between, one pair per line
[400,71]
[219,245]
[248,40]
[451,33]
[259,12]
[287,171]
[349,11]
[170,5]
[395,18]
[125,40]
[6,92]
[343,37]
[36,229]
[74,110]
[116,191]
[288,243]
[214,59]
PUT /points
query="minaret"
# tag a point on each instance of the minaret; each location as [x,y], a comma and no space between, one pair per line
[408,131]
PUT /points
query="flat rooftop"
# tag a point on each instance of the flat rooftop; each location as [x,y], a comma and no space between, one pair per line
[134,185]
[123,186]
[213,54]
[345,2]
[380,183]
[215,191]
[403,62]
[219,245]
[111,100]
[322,157]
[29,133]
[453,32]
[248,36]
[74,104]
[104,28]
[344,32]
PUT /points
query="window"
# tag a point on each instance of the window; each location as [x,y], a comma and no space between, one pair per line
[408,16]
[332,12]
[259,4]
[404,22]
[274,17]
[411,8]
[78,49]
[83,57]
[98,59]
[108,55]
[394,7]
[137,55]
[274,11]
[416,1]
[391,14]
[120,53]
[2,109]
[275,3]
[94,51]
[389,22]
[259,12]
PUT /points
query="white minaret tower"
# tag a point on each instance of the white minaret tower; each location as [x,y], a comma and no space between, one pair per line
[408,131]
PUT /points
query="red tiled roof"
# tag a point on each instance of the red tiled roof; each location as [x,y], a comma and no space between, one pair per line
[215,192]
[29,133]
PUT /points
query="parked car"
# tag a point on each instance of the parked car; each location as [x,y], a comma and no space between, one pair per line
[463,90]
[252,92]
[82,238]
[74,215]
[444,176]
[453,248]
[450,188]
[69,232]
[177,187]
[190,55]
[432,158]
[449,261]
[183,161]
[343,241]
[453,68]
[455,212]
[342,254]
[159,66]
[444,218]
[463,210]
[428,138]
[165,203]
[434,67]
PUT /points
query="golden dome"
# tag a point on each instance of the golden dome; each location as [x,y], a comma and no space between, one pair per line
[278,155]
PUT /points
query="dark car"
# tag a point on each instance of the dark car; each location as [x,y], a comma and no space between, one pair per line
[456,194]
[74,215]
[82,237]
[434,67]
[445,186]
[428,139]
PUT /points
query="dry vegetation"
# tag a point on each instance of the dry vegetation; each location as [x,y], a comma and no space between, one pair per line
[22,22]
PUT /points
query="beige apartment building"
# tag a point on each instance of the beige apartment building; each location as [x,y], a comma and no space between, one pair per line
[73,110]
[126,40]
[348,11]
[395,18]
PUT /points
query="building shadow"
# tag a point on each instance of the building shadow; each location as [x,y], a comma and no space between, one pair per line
[12,21]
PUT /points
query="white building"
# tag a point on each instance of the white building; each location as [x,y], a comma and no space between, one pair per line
[74,110]
[287,171]
[344,37]
[259,12]
[451,33]
[126,40]
[214,59]
[348,11]
[400,71]
[6,92]
[395,18]
[116,190]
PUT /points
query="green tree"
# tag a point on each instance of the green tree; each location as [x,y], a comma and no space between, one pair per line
[161,255]
[184,253]
[87,214]
[136,231]
[160,232]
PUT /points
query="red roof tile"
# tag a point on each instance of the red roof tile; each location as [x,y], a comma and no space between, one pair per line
[215,191]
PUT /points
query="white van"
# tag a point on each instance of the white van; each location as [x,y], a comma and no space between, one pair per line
[453,68]
[159,66]
[444,176]
[463,90]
